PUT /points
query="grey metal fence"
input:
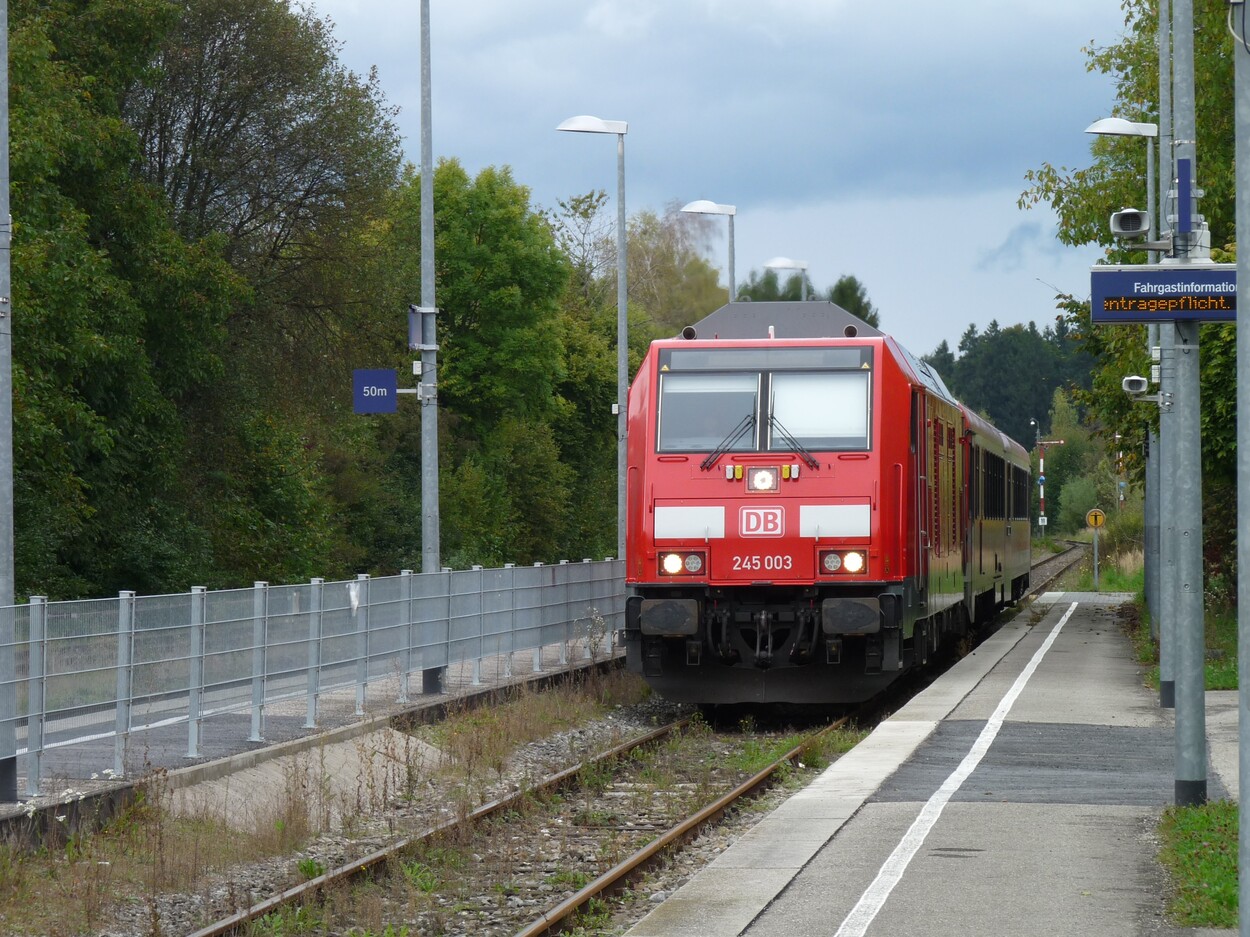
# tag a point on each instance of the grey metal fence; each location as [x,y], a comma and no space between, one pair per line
[94,672]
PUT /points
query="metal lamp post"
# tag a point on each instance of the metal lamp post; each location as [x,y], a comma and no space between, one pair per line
[704,207]
[586,124]
[1119,127]
[785,263]
[1159,485]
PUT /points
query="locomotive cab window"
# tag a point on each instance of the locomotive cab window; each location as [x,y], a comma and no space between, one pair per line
[821,411]
[772,399]
[705,411]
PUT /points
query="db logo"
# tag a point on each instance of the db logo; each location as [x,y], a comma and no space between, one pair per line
[762,522]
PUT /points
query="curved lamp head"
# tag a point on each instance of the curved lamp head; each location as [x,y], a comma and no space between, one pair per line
[588,124]
[705,207]
[1119,127]
[785,263]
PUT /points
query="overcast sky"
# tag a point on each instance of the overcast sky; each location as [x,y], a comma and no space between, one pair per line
[887,141]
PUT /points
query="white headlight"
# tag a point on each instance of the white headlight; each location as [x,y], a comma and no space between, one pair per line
[671,563]
[854,562]
[763,479]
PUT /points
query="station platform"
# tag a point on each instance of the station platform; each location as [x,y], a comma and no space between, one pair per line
[1017,795]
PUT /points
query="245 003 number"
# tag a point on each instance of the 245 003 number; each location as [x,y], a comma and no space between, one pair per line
[763,561]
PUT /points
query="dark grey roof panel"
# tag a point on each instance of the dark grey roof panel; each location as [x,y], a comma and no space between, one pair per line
[789,320]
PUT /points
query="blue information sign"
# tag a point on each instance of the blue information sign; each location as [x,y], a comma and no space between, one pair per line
[1163,293]
[375,390]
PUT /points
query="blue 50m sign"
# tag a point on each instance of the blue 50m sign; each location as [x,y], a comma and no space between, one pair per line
[375,390]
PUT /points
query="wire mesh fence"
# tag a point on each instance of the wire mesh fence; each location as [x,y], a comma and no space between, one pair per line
[94,676]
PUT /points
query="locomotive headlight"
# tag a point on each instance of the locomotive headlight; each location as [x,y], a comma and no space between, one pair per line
[849,562]
[679,564]
[762,479]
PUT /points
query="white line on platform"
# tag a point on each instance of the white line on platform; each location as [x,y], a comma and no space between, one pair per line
[874,898]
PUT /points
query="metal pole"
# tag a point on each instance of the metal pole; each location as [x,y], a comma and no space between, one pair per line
[195,695]
[37,693]
[362,642]
[429,354]
[316,590]
[431,680]
[732,283]
[125,677]
[1191,740]
[622,345]
[8,625]
[260,611]
[1155,490]
[1167,518]
[1241,132]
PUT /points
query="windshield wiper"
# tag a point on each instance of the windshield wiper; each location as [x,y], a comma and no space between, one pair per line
[746,423]
[793,443]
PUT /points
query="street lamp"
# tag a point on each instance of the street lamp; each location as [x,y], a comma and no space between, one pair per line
[785,263]
[586,124]
[705,207]
[1119,127]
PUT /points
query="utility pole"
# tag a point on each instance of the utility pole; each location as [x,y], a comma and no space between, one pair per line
[1190,239]
[1241,132]
[427,386]
[8,625]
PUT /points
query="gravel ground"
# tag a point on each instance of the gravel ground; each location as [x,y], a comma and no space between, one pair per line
[229,891]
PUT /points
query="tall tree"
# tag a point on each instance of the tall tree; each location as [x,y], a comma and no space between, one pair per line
[118,321]
[852,296]
[260,138]
[668,277]
[502,361]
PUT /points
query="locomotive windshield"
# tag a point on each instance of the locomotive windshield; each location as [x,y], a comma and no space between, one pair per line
[828,410]
[706,411]
[774,399]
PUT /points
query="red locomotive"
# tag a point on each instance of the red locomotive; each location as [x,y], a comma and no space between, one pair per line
[810,511]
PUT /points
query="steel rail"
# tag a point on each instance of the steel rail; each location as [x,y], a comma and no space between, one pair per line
[359,867]
[617,877]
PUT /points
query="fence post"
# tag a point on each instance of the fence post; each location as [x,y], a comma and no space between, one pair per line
[434,678]
[563,575]
[406,594]
[592,637]
[542,622]
[481,624]
[195,698]
[125,673]
[315,590]
[361,612]
[36,693]
[260,623]
[511,567]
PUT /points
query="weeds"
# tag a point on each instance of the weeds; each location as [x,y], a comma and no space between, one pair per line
[1199,849]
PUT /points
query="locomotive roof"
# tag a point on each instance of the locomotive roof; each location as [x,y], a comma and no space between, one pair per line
[789,320]
[805,320]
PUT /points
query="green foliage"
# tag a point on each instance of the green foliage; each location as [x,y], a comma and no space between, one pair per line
[852,296]
[1010,374]
[1198,846]
[1083,199]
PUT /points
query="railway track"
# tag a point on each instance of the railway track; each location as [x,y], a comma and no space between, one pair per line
[545,856]
[541,857]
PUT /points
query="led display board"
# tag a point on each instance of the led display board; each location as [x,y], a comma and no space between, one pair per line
[1163,293]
